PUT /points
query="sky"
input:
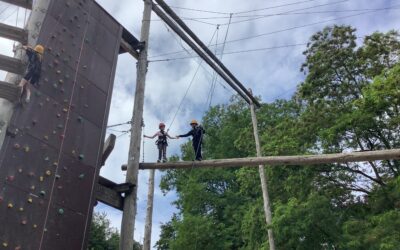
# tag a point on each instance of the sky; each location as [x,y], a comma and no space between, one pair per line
[283,25]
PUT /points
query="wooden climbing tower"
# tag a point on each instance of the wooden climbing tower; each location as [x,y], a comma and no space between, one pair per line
[54,148]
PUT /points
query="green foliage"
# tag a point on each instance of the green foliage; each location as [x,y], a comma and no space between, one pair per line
[349,101]
[102,236]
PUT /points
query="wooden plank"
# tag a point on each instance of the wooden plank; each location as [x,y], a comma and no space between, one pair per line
[13,33]
[11,64]
[9,91]
[109,196]
[128,48]
[108,148]
[390,154]
[27,4]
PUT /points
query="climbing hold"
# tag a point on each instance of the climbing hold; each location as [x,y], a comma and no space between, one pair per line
[21,209]
[30,200]
[10,205]
[34,121]
[65,110]
[17,146]
[62,136]
[10,178]
[81,176]
[41,178]
[61,211]
[55,164]
[32,187]
[86,106]
[34,226]
[42,193]
[26,149]
[31,174]
[82,87]
[48,172]
[81,156]
[59,187]
[58,71]
[46,137]
[1,199]
[20,170]
[58,115]
[24,222]
[47,99]
[80,119]
[46,158]
[17,248]
[61,81]
[84,67]
[54,132]
[58,176]
[5,244]
[55,86]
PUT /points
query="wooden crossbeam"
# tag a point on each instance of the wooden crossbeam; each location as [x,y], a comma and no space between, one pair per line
[13,33]
[281,160]
[9,91]
[109,196]
[125,46]
[27,4]
[11,64]
[108,148]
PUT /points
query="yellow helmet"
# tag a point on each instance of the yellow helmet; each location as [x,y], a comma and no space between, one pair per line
[193,122]
[39,49]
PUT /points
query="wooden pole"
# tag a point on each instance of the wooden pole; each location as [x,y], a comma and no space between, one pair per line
[263,179]
[130,203]
[390,154]
[149,212]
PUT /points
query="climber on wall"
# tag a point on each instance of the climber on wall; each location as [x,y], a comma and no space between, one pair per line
[33,70]
[161,142]
[197,132]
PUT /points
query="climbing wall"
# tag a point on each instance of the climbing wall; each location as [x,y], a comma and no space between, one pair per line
[50,160]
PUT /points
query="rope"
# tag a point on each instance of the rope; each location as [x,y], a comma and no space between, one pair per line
[222,54]
[65,127]
[190,84]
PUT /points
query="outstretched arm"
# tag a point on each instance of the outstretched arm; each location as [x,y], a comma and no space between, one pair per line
[151,137]
[186,135]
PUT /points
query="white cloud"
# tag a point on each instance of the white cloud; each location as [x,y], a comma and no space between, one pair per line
[270,74]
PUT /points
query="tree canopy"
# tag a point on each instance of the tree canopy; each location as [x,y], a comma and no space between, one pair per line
[349,101]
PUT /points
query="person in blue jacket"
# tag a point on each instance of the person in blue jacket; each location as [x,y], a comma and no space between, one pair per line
[197,132]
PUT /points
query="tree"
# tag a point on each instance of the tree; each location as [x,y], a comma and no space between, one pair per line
[349,101]
[104,237]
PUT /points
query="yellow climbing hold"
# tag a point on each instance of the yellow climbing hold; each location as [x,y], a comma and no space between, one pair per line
[48,172]
[41,178]
[30,200]
[10,205]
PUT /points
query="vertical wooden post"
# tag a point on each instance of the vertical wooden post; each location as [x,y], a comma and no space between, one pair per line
[130,203]
[263,178]
[149,212]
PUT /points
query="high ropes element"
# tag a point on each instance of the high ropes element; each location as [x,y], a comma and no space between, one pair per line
[390,154]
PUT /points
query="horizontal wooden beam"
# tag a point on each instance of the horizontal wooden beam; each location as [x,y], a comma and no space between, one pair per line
[13,33]
[109,196]
[9,91]
[11,64]
[282,160]
[128,48]
[27,4]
